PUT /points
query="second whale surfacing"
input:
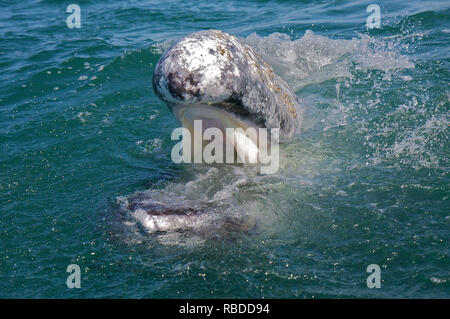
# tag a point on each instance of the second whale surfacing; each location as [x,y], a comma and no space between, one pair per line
[217,78]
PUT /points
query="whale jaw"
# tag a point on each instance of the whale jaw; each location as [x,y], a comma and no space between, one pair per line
[181,215]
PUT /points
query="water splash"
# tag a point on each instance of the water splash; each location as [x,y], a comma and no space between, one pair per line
[314,58]
[347,127]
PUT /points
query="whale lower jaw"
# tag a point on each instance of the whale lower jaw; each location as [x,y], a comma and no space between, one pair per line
[181,216]
[168,221]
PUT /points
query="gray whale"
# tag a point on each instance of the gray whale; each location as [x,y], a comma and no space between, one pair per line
[216,77]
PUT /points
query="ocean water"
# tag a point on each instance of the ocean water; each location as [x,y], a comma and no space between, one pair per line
[366,181]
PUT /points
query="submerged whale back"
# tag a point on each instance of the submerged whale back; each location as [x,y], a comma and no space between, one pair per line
[214,68]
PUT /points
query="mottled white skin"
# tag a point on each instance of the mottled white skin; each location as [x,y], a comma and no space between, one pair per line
[217,69]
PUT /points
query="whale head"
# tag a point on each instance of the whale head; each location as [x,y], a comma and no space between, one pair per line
[217,78]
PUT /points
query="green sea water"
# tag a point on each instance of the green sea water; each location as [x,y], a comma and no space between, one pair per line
[366,182]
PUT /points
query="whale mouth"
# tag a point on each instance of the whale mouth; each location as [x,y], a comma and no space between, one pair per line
[161,212]
[244,141]
[211,115]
